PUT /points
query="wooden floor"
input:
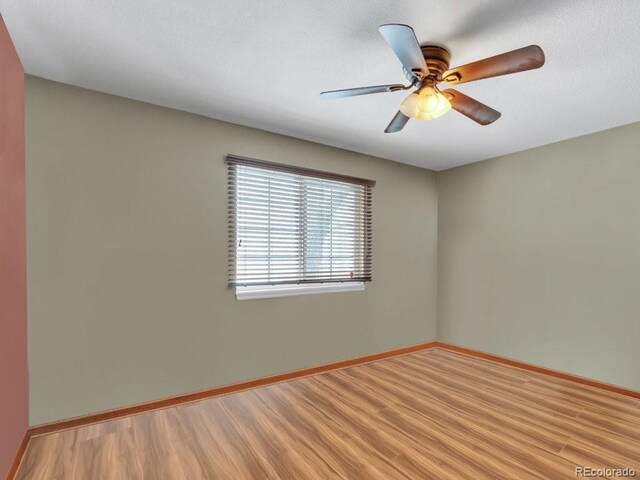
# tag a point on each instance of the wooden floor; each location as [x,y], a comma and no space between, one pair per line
[434,414]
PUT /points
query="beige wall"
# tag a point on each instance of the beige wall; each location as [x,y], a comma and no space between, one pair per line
[126,243]
[127,257]
[539,256]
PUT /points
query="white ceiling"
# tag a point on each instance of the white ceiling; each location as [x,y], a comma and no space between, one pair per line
[263,63]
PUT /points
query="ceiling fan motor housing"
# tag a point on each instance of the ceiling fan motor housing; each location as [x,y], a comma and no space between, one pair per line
[437,59]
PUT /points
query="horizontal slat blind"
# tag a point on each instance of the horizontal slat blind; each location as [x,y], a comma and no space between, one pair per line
[289,225]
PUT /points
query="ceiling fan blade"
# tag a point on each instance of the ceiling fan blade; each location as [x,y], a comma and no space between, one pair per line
[397,124]
[469,107]
[527,58]
[352,92]
[402,40]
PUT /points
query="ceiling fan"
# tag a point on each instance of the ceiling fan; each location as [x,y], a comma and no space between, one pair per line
[426,66]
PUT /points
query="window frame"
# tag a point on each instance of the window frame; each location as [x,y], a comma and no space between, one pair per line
[301,285]
[256,292]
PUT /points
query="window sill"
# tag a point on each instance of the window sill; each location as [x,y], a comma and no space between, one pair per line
[274,291]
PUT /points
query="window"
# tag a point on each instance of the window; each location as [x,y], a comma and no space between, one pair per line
[295,230]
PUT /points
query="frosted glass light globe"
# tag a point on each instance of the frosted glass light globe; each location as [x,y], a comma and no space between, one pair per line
[426,104]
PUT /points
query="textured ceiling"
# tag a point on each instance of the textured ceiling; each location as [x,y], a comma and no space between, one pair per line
[263,63]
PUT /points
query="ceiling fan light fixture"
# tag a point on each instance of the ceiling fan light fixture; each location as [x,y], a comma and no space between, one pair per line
[425,104]
[426,66]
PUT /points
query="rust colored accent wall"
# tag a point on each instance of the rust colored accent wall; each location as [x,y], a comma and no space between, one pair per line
[14,383]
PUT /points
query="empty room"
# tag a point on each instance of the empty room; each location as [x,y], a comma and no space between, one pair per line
[319,239]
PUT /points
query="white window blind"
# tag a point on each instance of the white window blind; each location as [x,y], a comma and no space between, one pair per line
[289,225]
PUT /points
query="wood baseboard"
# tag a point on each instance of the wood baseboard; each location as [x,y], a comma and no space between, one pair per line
[19,455]
[217,391]
[538,369]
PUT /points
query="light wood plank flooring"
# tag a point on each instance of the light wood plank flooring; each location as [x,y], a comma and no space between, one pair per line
[428,415]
